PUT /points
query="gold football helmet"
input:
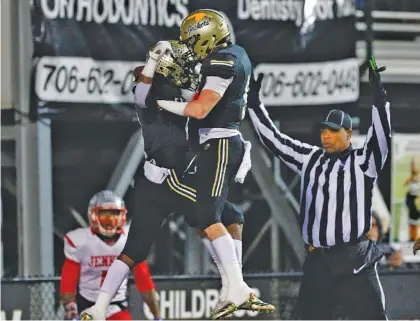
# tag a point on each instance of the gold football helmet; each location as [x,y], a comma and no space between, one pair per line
[178,66]
[203,31]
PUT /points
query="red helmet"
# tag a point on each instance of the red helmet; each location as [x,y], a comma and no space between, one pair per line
[108,225]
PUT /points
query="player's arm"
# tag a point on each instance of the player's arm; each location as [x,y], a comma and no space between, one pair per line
[203,105]
[141,88]
[292,152]
[146,286]
[69,277]
[218,73]
[372,156]
[143,75]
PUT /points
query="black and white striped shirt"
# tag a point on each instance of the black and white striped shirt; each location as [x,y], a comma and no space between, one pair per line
[336,192]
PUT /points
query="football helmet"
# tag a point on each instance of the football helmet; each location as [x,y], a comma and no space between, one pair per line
[203,31]
[179,66]
[107,225]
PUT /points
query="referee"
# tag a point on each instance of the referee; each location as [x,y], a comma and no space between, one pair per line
[335,208]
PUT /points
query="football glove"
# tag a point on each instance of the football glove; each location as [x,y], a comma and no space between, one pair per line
[153,56]
[379,92]
[70,311]
[159,50]
[254,90]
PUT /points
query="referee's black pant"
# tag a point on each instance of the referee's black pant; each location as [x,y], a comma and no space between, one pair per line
[342,280]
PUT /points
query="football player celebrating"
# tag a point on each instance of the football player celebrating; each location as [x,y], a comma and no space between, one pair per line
[163,128]
[166,187]
[219,109]
[90,252]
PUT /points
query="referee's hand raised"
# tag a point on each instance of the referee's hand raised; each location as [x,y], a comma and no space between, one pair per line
[379,92]
[254,90]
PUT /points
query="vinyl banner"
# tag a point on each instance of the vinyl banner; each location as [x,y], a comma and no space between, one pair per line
[79,79]
[84,50]
[195,299]
[15,302]
[186,298]
[315,83]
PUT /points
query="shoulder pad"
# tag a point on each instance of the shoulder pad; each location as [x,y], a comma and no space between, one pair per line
[74,242]
[221,65]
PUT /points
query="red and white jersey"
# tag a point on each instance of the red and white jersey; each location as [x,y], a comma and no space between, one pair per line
[95,257]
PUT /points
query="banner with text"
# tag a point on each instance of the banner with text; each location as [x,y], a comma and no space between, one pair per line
[186,298]
[84,51]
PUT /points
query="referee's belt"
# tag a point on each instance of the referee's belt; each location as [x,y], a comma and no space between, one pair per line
[311,248]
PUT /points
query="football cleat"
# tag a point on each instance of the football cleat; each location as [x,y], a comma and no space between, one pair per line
[256,304]
[86,316]
[92,313]
[223,311]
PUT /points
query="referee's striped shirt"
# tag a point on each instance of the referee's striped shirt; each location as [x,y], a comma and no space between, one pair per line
[336,192]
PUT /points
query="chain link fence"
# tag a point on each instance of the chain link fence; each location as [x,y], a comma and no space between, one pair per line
[43,298]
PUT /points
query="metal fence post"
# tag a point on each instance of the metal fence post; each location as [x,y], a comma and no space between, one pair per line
[33,171]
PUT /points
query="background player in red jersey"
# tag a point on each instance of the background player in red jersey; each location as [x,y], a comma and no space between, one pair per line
[90,252]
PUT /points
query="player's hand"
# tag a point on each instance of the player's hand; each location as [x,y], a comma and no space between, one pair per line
[416,246]
[70,311]
[254,90]
[395,259]
[159,50]
[379,92]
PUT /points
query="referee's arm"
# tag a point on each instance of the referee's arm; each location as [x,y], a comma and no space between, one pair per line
[291,151]
[373,155]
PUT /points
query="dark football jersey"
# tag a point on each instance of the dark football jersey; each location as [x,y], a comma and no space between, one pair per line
[230,62]
[164,133]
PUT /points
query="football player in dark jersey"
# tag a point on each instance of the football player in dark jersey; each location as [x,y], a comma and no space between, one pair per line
[218,111]
[167,185]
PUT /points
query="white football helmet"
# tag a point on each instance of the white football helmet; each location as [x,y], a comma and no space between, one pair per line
[107,225]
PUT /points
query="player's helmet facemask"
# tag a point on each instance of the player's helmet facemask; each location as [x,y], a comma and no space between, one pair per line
[179,66]
[107,213]
[203,31]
